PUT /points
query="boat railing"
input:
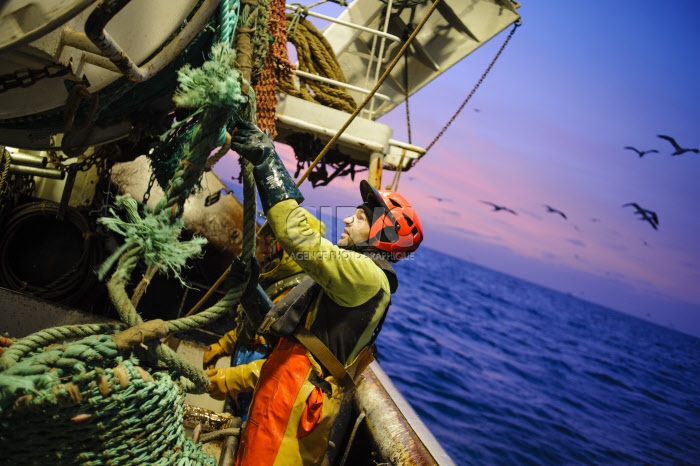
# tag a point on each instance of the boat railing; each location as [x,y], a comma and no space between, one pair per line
[342,84]
[346,23]
[376,58]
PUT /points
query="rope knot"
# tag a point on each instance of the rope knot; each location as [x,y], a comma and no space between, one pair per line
[300,14]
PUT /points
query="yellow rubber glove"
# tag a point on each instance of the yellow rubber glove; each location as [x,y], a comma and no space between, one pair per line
[222,348]
[234,380]
[217,387]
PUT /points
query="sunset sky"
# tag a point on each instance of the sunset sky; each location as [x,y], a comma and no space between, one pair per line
[578,82]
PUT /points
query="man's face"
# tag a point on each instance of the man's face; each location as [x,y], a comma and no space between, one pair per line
[263,247]
[356,231]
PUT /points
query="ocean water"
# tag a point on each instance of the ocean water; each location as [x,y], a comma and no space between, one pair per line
[504,371]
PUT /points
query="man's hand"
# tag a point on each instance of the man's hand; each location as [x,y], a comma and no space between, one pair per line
[217,388]
[251,143]
[234,380]
[212,354]
[239,272]
[223,347]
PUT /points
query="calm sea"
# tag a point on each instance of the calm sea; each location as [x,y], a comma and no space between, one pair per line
[503,371]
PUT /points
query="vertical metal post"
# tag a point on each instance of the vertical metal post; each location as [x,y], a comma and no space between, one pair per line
[376,161]
[67,191]
[380,57]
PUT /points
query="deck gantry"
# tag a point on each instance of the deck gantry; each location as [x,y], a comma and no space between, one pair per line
[365,41]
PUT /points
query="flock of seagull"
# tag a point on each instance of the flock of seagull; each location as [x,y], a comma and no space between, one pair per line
[644,214]
[678,149]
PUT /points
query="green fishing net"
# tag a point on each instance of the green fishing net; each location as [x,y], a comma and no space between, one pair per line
[82,404]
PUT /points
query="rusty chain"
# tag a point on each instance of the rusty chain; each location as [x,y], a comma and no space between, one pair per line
[26,78]
[4,176]
[82,165]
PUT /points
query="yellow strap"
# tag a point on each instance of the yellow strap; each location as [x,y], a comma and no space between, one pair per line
[360,363]
[324,356]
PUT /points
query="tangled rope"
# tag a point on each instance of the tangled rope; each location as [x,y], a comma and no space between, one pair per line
[262,39]
[316,56]
[154,237]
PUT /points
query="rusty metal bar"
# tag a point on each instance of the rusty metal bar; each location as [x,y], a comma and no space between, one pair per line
[395,428]
[36,171]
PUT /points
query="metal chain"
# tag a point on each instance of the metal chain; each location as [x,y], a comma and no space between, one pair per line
[26,78]
[147,194]
[4,176]
[17,187]
[397,174]
[27,185]
[405,84]
[84,165]
[442,131]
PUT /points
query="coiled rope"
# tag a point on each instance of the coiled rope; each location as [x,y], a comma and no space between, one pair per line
[77,277]
[316,56]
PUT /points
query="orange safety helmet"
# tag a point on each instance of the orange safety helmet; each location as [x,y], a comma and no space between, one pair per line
[394,225]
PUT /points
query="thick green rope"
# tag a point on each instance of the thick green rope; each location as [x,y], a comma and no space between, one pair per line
[214,90]
[249,213]
[156,352]
[54,410]
[48,367]
[49,336]
[249,22]
[228,20]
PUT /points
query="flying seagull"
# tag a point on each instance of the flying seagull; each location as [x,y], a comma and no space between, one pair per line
[641,152]
[440,199]
[679,150]
[496,207]
[556,211]
[646,215]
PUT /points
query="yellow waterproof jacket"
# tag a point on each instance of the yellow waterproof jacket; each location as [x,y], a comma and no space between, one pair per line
[295,404]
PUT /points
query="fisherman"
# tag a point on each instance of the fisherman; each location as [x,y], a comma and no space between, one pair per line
[279,275]
[328,322]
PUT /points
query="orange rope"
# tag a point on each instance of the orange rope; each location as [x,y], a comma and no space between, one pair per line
[277,65]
